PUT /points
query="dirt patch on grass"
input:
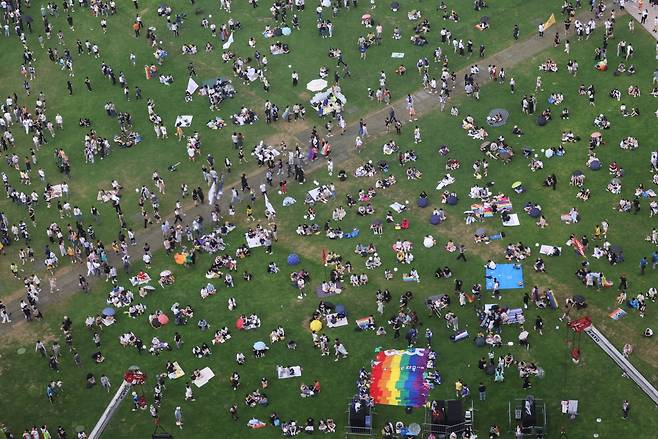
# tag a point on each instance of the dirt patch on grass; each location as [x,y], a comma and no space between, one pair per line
[459,232]
[24,334]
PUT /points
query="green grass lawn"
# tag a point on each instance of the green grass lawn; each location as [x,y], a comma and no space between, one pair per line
[133,167]
[596,382]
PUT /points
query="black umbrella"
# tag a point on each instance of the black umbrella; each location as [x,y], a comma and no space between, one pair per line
[27,19]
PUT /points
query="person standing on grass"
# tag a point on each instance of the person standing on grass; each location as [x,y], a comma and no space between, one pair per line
[462,251]
[643,264]
[41,348]
[233,411]
[625,409]
[105,383]
[539,325]
[178,415]
[330,167]
[482,390]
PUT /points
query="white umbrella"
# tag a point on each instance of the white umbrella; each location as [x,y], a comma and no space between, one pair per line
[316,85]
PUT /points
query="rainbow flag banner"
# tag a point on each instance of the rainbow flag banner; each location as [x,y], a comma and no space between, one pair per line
[397,378]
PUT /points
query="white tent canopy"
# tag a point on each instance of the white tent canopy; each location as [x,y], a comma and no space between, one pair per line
[316,85]
[319,97]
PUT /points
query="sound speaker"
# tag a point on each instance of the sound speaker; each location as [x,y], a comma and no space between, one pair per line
[361,421]
[455,412]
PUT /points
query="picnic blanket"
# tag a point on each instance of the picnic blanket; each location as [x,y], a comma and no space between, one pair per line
[445,181]
[177,373]
[397,54]
[549,250]
[577,246]
[184,121]
[334,322]
[288,372]
[140,279]
[398,207]
[508,277]
[107,196]
[252,242]
[321,294]
[314,193]
[54,192]
[513,220]
[431,299]
[362,323]
[504,115]
[617,314]
[501,202]
[206,375]
[515,317]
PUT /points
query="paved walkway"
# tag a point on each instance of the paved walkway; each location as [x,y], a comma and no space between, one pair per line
[633,9]
[343,149]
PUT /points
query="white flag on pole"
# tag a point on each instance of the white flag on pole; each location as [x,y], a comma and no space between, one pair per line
[191,86]
[268,206]
[211,194]
[228,42]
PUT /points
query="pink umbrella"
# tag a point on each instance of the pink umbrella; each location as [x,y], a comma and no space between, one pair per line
[239,323]
[163,319]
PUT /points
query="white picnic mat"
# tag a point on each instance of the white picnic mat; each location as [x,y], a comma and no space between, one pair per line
[314,193]
[288,372]
[445,181]
[184,121]
[206,375]
[398,207]
[137,281]
[548,249]
[513,220]
[252,242]
[338,323]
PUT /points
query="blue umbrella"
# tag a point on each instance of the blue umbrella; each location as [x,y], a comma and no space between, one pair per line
[260,346]
[293,259]
[109,311]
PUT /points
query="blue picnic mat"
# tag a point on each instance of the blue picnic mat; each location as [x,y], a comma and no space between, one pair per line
[508,277]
